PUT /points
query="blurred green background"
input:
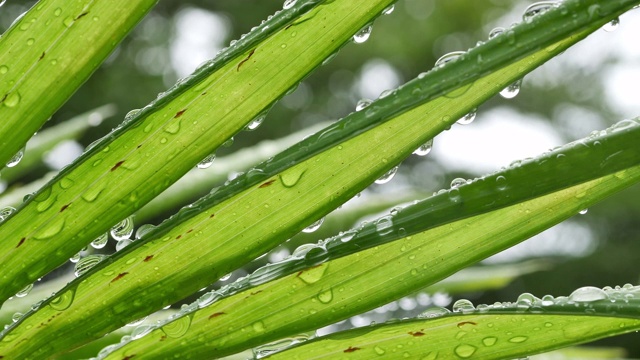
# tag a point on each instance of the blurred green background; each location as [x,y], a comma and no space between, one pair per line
[588,88]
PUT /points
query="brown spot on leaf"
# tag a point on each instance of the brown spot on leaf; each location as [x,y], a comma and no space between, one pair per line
[41,56]
[163,337]
[416,333]
[117,165]
[64,207]
[215,315]
[212,215]
[268,183]
[120,276]
[351,349]
[179,113]
[82,15]
[256,292]
[4,97]
[149,257]
[20,242]
[178,237]
[461,324]
[139,146]
[246,59]
[128,357]
[190,230]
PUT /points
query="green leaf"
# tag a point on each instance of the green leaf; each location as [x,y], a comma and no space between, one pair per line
[48,53]
[161,142]
[461,231]
[508,330]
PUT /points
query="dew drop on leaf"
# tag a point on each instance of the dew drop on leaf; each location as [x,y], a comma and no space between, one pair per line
[288,4]
[25,291]
[12,99]
[388,10]
[16,158]
[468,118]
[512,90]
[448,58]
[465,351]
[537,9]
[612,25]
[489,341]
[100,241]
[363,103]
[87,263]
[363,34]
[463,306]
[313,227]
[588,294]
[583,211]
[424,149]
[123,229]
[207,161]
[386,177]
[457,182]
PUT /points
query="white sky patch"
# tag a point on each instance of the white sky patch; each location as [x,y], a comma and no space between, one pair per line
[63,154]
[495,139]
[199,34]
[377,76]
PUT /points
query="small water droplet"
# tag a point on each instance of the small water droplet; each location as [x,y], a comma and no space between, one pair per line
[25,291]
[448,58]
[465,351]
[3,69]
[537,9]
[363,103]
[468,118]
[288,4]
[12,99]
[87,263]
[363,34]
[518,339]
[347,236]
[495,32]
[5,212]
[16,158]
[123,229]
[388,10]
[63,301]
[424,149]
[612,25]
[433,312]
[100,241]
[207,161]
[457,182]
[512,90]
[256,122]
[16,317]
[313,274]
[57,11]
[386,177]
[30,41]
[583,211]
[313,227]
[144,230]
[489,341]
[290,178]
[588,294]
[325,296]
[378,350]
[384,226]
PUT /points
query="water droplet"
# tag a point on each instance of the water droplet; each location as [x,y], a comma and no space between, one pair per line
[288,4]
[30,41]
[57,12]
[144,230]
[3,69]
[75,258]
[313,227]
[12,99]
[388,10]
[290,178]
[123,229]
[583,211]
[363,103]
[512,90]
[495,32]
[433,312]
[325,296]
[468,118]
[63,301]
[457,182]
[87,263]
[518,339]
[123,244]
[612,25]
[100,241]
[386,177]
[207,161]
[424,149]
[256,122]
[448,58]
[463,305]
[489,341]
[5,212]
[465,350]
[16,317]
[537,9]
[588,294]
[363,34]
[384,226]
[378,350]
[177,327]
[50,230]
[313,274]
[501,182]
[91,194]
[68,21]
[141,331]
[228,143]
[25,291]
[347,236]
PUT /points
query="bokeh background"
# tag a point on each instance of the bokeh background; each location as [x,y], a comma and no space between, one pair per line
[589,87]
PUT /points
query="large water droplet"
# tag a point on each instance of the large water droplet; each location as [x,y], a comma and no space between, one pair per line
[537,9]
[123,229]
[123,244]
[12,99]
[433,312]
[512,90]
[612,25]
[87,263]
[465,351]
[100,241]
[313,227]
[495,32]
[207,161]
[489,341]
[424,149]
[386,177]
[457,182]
[468,118]
[384,226]
[363,103]
[325,296]
[363,34]
[25,291]
[143,230]
[16,158]
[177,327]
[463,306]
[288,4]
[5,212]
[588,294]
[63,301]
[448,58]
